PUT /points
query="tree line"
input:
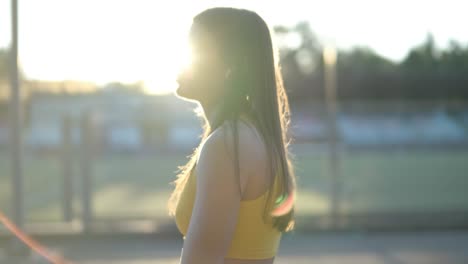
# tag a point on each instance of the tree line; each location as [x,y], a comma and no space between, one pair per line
[425,73]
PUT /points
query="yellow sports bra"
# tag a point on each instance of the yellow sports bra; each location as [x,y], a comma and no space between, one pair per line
[253,239]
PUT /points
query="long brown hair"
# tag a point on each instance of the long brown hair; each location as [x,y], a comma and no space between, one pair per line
[255,89]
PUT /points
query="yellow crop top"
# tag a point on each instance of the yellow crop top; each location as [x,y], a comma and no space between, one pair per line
[253,239]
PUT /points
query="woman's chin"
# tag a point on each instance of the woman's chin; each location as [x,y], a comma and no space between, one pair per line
[184,93]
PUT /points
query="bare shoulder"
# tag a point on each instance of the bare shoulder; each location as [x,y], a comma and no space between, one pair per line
[250,144]
[220,147]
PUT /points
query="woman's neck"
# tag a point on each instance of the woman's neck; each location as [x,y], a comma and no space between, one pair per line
[212,113]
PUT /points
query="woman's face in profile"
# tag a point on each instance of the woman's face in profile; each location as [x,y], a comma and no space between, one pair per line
[203,81]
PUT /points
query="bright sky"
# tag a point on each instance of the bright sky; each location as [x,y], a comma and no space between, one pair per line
[145,40]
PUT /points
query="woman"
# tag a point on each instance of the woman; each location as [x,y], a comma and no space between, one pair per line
[235,196]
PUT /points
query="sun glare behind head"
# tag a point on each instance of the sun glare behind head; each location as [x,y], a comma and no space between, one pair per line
[161,77]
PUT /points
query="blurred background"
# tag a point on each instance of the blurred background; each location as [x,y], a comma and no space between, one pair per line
[91,134]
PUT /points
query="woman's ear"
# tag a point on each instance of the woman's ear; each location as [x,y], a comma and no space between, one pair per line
[236,68]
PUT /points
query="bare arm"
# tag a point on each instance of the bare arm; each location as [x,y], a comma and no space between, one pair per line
[216,207]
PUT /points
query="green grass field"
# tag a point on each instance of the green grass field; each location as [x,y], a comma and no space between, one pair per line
[137,186]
